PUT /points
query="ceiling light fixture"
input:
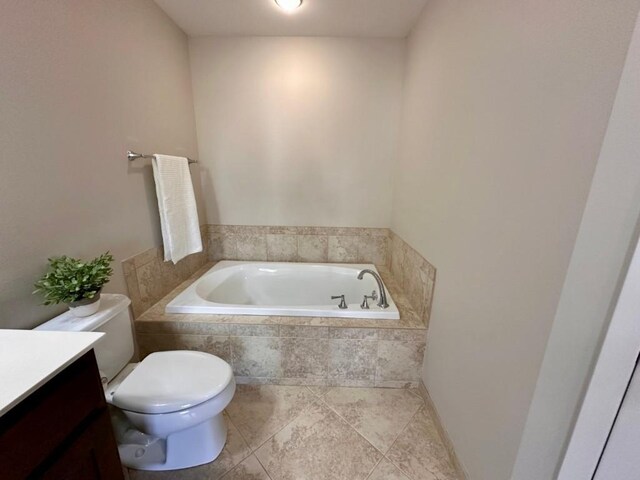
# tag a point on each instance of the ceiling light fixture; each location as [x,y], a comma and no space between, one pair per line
[288,5]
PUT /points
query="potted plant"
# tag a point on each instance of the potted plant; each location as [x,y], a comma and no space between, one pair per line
[75,282]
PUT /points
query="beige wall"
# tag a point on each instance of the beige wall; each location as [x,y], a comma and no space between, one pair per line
[606,238]
[83,81]
[505,108]
[297,131]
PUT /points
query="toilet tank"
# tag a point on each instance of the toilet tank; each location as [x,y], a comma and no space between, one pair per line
[115,349]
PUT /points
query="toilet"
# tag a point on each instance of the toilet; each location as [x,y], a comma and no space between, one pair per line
[167,409]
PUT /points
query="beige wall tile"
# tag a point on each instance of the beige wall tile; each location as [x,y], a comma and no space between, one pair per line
[282,248]
[304,357]
[170,274]
[352,359]
[145,257]
[252,247]
[183,327]
[304,331]
[397,260]
[137,305]
[254,330]
[399,361]
[372,249]
[354,333]
[222,246]
[128,266]
[343,249]
[313,248]
[414,274]
[405,335]
[150,281]
[194,262]
[256,356]
[216,345]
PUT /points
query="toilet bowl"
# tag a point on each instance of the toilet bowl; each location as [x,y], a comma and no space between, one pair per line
[167,409]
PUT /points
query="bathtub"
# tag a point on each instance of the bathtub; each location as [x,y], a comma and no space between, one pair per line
[282,289]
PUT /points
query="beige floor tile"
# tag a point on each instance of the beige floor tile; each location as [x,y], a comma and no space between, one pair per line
[249,469]
[419,451]
[259,411]
[385,470]
[233,453]
[318,445]
[378,414]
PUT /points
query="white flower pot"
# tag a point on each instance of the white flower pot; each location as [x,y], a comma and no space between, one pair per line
[85,307]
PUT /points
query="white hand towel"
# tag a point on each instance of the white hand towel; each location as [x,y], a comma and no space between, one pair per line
[177,205]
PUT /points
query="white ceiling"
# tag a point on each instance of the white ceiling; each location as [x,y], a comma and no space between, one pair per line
[352,18]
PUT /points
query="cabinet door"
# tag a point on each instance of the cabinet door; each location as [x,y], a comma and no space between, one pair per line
[92,455]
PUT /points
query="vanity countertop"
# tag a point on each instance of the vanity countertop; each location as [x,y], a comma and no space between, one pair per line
[28,359]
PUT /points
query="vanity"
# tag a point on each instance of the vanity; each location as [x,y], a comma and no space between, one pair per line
[54,420]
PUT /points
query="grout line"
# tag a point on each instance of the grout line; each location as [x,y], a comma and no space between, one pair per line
[403,429]
[396,440]
[351,426]
[285,426]
[263,467]
[312,392]
[236,427]
[243,439]
[374,467]
[416,393]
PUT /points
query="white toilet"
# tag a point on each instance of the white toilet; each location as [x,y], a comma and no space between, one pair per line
[167,409]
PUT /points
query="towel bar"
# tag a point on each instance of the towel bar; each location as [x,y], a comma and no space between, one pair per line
[131,156]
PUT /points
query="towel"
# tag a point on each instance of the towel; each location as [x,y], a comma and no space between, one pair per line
[177,205]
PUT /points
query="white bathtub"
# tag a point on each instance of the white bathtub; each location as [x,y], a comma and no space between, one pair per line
[282,289]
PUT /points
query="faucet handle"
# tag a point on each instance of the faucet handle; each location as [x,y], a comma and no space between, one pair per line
[342,303]
[365,302]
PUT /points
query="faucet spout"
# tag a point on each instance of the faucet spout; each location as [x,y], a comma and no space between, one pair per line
[382,303]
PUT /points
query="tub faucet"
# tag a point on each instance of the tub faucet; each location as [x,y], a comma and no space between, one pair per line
[342,304]
[382,303]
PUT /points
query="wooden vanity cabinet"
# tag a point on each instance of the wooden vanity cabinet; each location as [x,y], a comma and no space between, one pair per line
[62,431]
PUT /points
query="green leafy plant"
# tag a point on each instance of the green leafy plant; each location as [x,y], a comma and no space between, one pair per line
[70,279]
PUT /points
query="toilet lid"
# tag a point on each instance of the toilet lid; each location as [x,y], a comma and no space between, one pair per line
[166,382]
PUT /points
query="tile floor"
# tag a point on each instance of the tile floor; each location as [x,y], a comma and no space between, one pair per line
[309,433]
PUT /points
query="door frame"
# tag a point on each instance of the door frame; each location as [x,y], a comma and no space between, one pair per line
[613,371]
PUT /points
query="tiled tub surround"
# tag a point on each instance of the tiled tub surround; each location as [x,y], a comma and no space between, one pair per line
[292,350]
[415,276]
[299,244]
[149,277]
[296,350]
[380,246]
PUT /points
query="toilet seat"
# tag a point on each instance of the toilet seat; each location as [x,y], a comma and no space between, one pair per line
[166,382]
